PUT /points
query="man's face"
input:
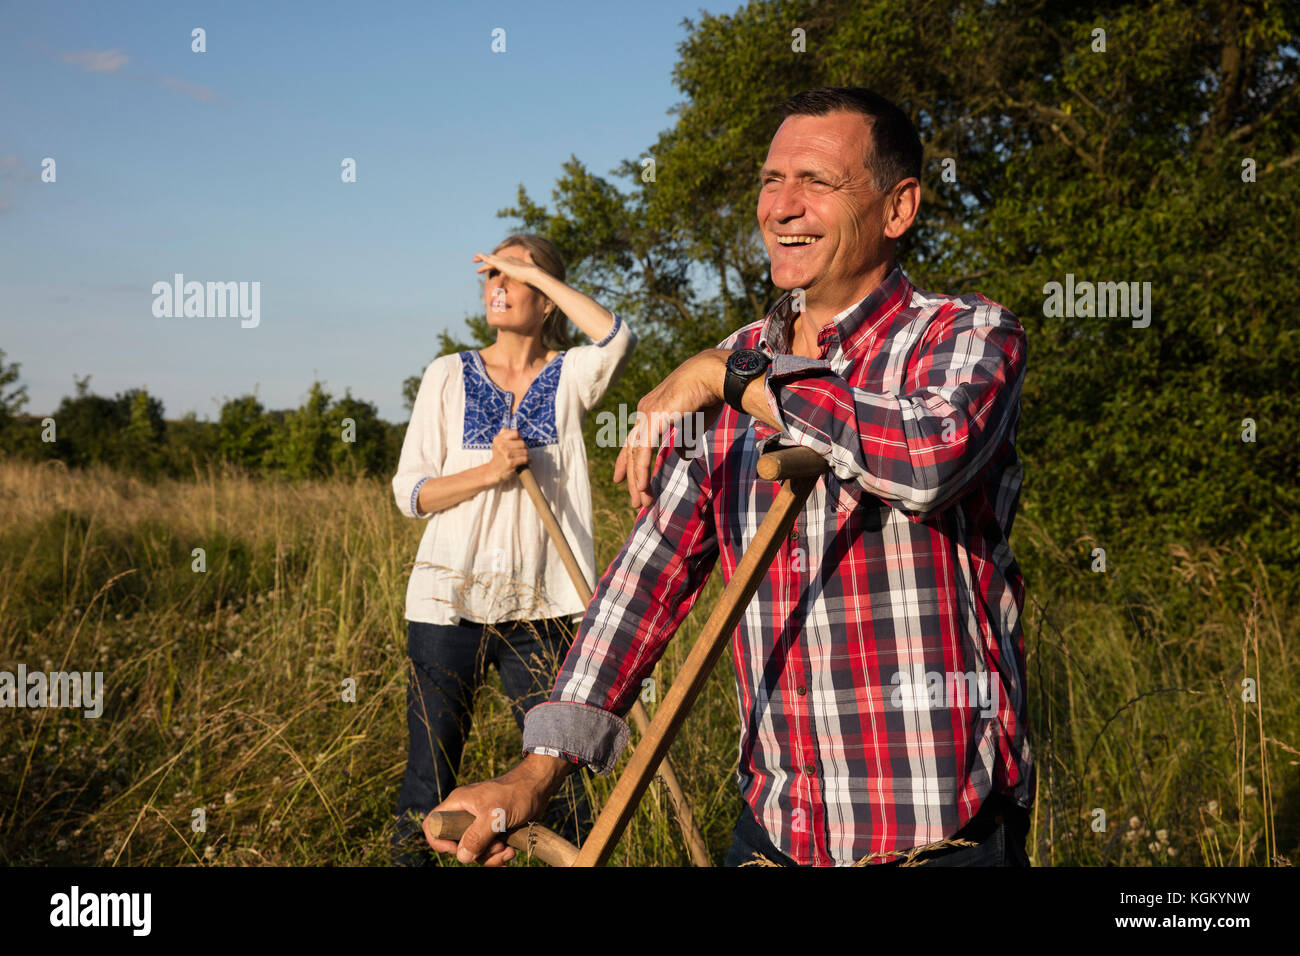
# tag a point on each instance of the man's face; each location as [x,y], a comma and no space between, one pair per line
[822,218]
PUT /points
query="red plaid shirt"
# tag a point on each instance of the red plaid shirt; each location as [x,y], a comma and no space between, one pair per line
[880,667]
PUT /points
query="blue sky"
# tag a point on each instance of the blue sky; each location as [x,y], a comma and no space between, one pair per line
[225,166]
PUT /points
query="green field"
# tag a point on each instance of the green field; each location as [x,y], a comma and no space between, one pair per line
[223,689]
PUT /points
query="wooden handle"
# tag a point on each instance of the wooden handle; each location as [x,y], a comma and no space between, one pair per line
[677,796]
[699,664]
[529,481]
[533,839]
[797,462]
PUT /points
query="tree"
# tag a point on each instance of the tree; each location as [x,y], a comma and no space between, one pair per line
[243,432]
[12,401]
[362,446]
[11,405]
[140,443]
[86,427]
[300,444]
[191,445]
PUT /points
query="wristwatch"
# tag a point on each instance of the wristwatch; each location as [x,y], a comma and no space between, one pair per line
[743,367]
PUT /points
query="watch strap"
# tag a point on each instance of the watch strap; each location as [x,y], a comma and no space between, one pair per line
[735,383]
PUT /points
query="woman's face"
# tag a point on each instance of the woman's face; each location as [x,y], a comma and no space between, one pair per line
[511,304]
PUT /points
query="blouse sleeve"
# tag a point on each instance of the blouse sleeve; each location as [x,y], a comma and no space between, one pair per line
[596,366]
[425,447]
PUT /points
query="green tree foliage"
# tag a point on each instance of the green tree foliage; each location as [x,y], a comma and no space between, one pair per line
[191,446]
[300,444]
[86,427]
[324,437]
[126,431]
[140,442]
[243,432]
[361,444]
[320,438]
[12,400]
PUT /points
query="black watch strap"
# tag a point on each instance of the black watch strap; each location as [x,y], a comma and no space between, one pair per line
[743,367]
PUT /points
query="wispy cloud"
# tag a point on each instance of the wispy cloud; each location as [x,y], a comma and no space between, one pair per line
[112,61]
[11,170]
[97,61]
[204,94]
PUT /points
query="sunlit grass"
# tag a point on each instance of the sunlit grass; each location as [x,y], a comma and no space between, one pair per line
[224,688]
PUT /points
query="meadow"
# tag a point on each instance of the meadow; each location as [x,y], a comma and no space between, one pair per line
[225,688]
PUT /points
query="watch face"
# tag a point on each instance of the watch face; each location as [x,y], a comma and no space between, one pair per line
[747,360]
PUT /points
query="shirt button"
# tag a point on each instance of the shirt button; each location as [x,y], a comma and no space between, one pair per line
[794,534]
[808,769]
[802,690]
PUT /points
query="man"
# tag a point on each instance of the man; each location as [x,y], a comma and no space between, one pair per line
[880,666]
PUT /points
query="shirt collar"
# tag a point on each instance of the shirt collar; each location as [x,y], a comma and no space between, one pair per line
[852,328]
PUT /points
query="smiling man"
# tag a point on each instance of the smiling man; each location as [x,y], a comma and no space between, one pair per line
[880,666]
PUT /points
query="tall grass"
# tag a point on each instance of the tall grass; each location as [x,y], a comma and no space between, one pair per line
[225,688]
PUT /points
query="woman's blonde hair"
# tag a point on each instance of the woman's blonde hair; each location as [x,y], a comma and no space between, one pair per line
[555,328]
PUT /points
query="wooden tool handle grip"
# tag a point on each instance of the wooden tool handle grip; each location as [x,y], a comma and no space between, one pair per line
[799,462]
[556,533]
[547,846]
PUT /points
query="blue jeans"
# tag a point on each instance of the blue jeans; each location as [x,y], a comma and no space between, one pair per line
[1000,828]
[448,664]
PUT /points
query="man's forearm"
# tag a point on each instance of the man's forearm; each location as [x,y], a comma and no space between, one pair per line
[755,402]
[919,449]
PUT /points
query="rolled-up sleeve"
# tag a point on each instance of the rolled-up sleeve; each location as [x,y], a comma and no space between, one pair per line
[639,603]
[596,366]
[921,449]
[424,447]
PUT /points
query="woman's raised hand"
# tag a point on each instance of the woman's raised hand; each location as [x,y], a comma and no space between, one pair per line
[512,267]
[509,453]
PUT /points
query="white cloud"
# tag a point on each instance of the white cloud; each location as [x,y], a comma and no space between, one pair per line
[203,94]
[112,61]
[97,61]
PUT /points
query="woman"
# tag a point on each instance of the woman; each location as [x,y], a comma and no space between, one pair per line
[487,587]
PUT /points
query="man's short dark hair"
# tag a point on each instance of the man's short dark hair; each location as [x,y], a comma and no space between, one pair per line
[896,152]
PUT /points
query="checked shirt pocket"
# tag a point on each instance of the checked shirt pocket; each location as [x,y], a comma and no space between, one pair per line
[851,497]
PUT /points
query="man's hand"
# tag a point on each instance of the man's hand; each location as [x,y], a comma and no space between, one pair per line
[694,386]
[511,800]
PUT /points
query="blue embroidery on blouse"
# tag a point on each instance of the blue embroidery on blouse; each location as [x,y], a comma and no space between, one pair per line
[613,331]
[415,498]
[487,407]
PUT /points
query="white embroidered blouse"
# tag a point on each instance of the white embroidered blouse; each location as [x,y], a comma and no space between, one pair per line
[489,558]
